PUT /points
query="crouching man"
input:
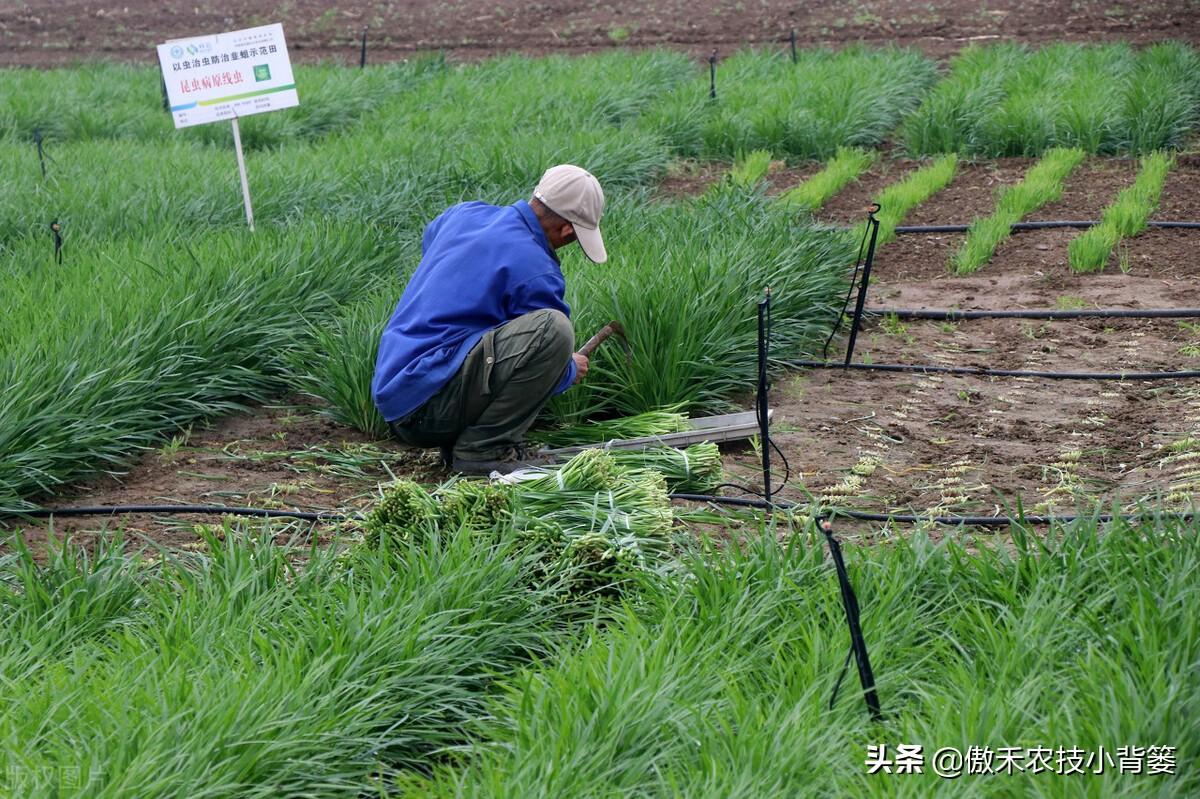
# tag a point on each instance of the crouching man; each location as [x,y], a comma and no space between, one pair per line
[482,335]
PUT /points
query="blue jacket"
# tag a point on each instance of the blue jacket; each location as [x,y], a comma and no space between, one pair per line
[481,266]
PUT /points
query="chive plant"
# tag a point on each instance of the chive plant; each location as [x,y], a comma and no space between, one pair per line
[400,165]
[1042,184]
[846,165]
[216,673]
[949,116]
[720,685]
[852,97]
[749,168]
[897,199]
[1124,218]
[687,302]
[120,101]
[110,350]
[337,361]
[1009,100]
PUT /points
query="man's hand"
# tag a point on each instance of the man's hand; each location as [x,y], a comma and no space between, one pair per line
[581,366]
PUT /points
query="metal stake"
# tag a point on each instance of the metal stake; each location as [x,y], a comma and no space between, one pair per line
[37,139]
[853,620]
[56,229]
[762,400]
[712,75]
[866,280]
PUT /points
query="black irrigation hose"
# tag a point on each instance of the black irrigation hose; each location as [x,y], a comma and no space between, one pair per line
[858,645]
[981,372]
[1081,223]
[982,521]
[975,521]
[837,323]
[167,510]
[1105,313]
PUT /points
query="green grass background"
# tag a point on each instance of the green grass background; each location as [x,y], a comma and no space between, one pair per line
[440,669]
[437,670]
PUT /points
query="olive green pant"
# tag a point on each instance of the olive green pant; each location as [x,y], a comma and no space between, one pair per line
[493,399]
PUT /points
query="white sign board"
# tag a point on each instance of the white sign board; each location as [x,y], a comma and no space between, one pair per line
[230,75]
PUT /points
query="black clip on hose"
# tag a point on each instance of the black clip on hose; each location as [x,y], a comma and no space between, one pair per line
[56,229]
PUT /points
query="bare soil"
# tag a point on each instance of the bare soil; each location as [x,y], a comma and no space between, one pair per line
[41,33]
[979,445]
[286,456]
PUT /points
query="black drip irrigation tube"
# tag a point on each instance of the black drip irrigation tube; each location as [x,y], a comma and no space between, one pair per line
[1099,313]
[951,521]
[982,372]
[169,510]
[977,371]
[1018,226]
[741,502]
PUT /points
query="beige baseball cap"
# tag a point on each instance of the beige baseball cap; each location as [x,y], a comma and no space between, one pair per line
[574,194]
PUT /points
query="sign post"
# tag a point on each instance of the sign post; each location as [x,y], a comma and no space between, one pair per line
[227,76]
[237,145]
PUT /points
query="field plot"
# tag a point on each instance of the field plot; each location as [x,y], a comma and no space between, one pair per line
[648,109]
[973,445]
[583,634]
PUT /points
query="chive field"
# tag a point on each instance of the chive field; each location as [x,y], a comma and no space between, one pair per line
[344,183]
[1010,100]
[577,634]
[450,665]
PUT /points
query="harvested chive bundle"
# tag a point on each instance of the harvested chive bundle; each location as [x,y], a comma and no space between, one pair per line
[650,423]
[694,470]
[590,521]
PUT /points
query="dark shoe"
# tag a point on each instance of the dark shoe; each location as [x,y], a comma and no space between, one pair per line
[447,457]
[512,461]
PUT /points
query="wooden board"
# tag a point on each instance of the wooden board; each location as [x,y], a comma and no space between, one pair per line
[726,427]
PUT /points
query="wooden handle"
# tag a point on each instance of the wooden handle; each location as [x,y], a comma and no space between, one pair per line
[601,335]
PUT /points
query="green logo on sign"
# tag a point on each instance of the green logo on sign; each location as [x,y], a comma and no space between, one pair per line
[262,72]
